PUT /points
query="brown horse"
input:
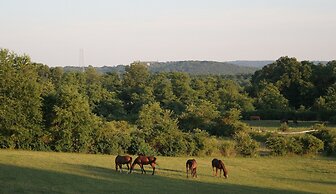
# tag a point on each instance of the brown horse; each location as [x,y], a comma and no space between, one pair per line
[144,160]
[191,165]
[218,164]
[120,160]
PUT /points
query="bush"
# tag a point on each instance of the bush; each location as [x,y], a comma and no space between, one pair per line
[172,144]
[284,127]
[329,139]
[112,138]
[199,138]
[278,145]
[6,143]
[211,147]
[311,144]
[227,148]
[140,147]
[230,124]
[294,145]
[245,145]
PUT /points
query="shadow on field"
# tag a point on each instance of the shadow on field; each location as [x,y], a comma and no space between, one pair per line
[307,181]
[93,179]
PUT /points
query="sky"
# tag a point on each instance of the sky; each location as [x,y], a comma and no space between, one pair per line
[114,32]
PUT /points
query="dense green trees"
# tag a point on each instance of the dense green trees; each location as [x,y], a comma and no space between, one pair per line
[20,101]
[291,77]
[269,98]
[139,112]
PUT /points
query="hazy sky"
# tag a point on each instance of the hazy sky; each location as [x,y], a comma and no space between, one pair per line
[119,32]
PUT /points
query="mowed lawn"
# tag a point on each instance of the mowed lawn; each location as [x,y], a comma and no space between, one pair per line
[273,125]
[48,172]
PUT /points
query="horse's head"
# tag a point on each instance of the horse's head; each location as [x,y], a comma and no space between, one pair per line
[226,175]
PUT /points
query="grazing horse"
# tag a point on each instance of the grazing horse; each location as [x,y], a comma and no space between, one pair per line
[191,165]
[218,164]
[144,160]
[120,160]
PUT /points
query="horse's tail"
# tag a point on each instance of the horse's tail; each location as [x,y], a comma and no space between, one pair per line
[187,167]
[116,163]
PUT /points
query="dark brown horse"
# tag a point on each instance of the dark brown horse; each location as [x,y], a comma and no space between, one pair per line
[191,166]
[120,160]
[218,164]
[144,160]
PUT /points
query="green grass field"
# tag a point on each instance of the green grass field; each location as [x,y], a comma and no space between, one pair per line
[273,125]
[48,172]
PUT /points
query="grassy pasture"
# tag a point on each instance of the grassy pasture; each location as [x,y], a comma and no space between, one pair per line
[47,172]
[273,125]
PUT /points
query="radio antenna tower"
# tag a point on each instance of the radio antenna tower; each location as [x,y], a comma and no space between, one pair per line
[81,59]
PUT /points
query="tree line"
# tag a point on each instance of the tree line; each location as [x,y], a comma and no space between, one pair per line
[174,113]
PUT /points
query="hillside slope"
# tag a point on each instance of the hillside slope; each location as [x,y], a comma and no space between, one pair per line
[191,67]
[49,172]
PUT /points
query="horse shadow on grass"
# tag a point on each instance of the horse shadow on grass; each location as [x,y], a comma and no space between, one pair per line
[94,179]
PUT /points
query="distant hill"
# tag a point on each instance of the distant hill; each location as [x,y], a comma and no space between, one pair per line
[191,67]
[258,64]
[201,67]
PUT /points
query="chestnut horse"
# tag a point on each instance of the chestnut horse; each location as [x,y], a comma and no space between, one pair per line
[191,165]
[218,164]
[120,160]
[144,160]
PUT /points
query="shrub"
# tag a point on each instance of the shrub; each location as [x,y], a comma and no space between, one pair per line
[329,140]
[112,138]
[199,138]
[172,144]
[139,146]
[211,147]
[294,145]
[284,127]
[245,145]
[277,144]
[227,148]
[311,144]
[6,143]
[230,124]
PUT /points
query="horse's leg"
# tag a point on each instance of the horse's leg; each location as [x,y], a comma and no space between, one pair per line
[153,166]
[132,167]
[187,171]
[128,166]
[143,168]
[116,166]
[195,173]
[120,167]
[216,171]
[220,173]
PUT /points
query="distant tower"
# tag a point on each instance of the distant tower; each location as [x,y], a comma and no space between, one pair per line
[81,59]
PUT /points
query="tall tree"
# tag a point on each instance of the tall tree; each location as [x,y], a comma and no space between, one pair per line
[270,98]
[73,121]
[201,115]
[137,89]
[291,77]
[20,100]
[231,96]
